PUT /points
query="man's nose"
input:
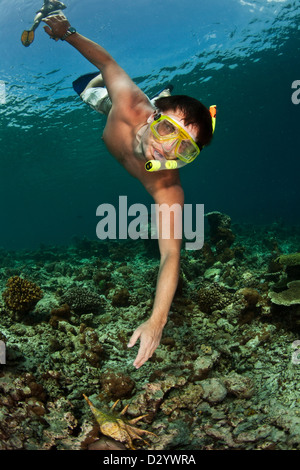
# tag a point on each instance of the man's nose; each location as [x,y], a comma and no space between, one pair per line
[169,145]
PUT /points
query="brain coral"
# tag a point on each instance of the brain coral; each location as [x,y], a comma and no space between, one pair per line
[21,295]
[82,300]
[214,297]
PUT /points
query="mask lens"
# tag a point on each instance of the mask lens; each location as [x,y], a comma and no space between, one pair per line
[187,149]
[166,128]
[174,139]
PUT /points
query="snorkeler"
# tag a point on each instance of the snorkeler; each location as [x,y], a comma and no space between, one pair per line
[49,7]
[145,138]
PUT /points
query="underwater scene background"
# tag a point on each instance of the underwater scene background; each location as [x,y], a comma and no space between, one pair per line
[226,375]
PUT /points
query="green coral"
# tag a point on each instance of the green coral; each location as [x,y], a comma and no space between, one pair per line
[21,295]
[292,259]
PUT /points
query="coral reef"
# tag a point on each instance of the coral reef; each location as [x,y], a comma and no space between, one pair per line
[214,297]
[116,384]
[291,265]
[120,298]
[288,297]
[81,300]
[292,259]
[222,378]
[221,235]
[21,295]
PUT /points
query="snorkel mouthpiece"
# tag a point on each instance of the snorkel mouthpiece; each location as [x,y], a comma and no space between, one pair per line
[153,165]
[156,165]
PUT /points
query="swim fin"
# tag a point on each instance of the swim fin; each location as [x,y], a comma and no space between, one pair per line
[27,38]
[80,83]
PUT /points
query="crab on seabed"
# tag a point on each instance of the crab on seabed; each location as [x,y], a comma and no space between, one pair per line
[118,428]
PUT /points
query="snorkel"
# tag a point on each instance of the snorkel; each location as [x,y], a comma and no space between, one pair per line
[161,163]
[164,164]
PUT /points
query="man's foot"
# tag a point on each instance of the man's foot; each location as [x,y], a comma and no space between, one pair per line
[163,93]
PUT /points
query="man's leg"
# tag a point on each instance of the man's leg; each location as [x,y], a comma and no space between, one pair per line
[96,96]
[166,92]
[95,82]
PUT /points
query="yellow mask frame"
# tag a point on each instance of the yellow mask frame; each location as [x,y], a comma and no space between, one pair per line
[155,165]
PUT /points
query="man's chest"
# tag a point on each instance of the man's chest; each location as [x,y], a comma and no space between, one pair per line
[120,144]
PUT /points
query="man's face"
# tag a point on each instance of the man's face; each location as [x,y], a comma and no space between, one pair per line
[156,150]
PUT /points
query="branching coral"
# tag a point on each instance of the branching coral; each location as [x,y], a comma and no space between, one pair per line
[213,298]
[21,295]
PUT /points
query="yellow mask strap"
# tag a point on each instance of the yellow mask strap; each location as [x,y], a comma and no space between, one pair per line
[213,113]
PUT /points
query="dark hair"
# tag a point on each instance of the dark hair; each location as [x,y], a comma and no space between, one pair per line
[194,113]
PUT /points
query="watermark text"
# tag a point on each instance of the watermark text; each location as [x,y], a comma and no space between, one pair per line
[296,94]
[296,353]
[166,222]
[2,352]
[2,92]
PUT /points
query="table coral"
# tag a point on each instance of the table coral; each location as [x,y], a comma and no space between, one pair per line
[288,297]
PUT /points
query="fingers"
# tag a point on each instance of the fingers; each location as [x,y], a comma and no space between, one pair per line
[141,356]
[140,359]
[149,341]
[56,26]
[54,17]
[145,352]
[48,30]
[133,339]
[50,33]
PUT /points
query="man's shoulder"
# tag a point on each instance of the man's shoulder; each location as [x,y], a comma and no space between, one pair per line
[133,112]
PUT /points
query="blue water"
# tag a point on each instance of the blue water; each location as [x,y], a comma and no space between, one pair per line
[241,55]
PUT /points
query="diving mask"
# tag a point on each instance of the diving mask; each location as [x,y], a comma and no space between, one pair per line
[175,141]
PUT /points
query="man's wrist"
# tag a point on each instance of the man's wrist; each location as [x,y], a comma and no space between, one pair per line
[68,33]
[158,319]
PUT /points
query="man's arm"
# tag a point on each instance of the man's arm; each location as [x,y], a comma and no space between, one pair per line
[118,83]
[150,331]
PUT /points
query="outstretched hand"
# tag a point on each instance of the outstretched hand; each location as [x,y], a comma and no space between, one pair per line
[149,334]
[56,26]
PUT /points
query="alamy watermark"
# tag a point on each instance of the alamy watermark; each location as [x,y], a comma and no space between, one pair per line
[296,353]
[2,92]
[296,94]
[2,352]
[115,223]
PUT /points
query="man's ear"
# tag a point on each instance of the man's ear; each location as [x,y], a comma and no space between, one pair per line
[153,116]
